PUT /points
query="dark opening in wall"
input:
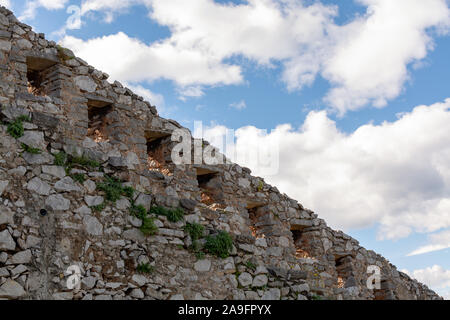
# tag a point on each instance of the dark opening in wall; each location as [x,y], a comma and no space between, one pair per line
[157,150]
[98,122]
[210,185]
[302,249]
[254,213]
[35,83]
[344,270]
[38,71]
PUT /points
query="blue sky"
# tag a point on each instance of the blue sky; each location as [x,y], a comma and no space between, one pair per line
[343,77]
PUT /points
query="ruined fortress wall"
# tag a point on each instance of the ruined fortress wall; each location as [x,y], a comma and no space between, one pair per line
[53,217]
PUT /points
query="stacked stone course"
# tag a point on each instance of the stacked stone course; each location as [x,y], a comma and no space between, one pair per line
[49,220]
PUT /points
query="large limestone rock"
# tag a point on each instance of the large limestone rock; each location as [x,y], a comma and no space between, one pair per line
[85,83]
[92,226]
[11,290]
[6,241]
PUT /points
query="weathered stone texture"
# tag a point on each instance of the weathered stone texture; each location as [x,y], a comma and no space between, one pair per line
[53,215]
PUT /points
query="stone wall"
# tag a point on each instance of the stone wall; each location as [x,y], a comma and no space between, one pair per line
[53,216]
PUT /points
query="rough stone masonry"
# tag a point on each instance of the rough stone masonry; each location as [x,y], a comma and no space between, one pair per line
[83,160]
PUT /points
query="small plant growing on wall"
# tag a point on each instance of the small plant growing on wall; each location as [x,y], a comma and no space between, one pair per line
[145,268]
[15,128]
[219,245]
[173,215]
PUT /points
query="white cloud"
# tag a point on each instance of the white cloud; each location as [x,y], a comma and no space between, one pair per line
[190,92]
[435,277]
[5,3]
[438,241]
[365,60]
[241,105]
[396,174]
[155,99]
[369,62]
[32,5]
[129,59]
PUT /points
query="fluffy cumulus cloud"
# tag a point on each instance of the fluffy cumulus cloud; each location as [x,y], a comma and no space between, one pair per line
[32,5]
[435,277]
[130,59]
[396,174]
[5,3]
[366,60]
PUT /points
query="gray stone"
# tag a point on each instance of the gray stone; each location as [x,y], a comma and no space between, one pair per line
[272,294]
[245,279]
[90,186]
[301,288]
[3,185]
[137,293]
[33,159]
[135,221]
[19,270]
[145,200]
[202,265]
[4,272]
[63,296]
[92,201]
[6,241]
[32,242]
[123,204]
[23,257]
[92,226]
[188,204]
[134,235]
[88,282]
[140,280]
[11,290]
[260,281]
[177,297]
[244,183]
[24,44]
[85,83]
[5,45]
[55,171]
[67,185]
[34,139]
[38,186]
[19,171]
[6,216]
[117,162]
[57,202]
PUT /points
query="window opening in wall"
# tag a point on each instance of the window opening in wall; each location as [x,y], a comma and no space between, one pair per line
[211,188]
[254,212]
[301,245]
[344,270]
[38,74]
[157,148]
[98,122]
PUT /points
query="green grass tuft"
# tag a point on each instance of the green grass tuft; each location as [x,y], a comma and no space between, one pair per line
[145,268]
[173,215]
[99,208]
[149,227]
[60,159]
[31,150]
[195,230]
[79,177]
[15,129]
[219,245]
